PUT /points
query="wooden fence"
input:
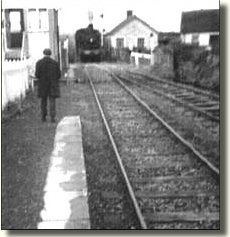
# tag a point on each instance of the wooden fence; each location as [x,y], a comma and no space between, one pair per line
[15,80]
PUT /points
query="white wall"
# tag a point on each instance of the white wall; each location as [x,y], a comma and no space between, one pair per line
[131,32]
[44,36]
[203,38]
[38,41]
[15,80]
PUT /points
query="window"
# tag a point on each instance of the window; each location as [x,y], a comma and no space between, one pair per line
[15,21]
[214,43]
[140,43]
[214,40]
[43,19]
[195,39]
[120,43]
[33,19]
[38,19]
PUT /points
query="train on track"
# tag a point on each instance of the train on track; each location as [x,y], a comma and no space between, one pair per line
[88,44]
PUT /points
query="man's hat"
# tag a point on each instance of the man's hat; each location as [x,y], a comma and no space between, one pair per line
[47,52]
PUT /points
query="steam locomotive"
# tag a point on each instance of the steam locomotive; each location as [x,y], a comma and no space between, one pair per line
[88,44]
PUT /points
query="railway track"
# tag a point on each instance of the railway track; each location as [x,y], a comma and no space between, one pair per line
[201,101]
[109,203]
[171,187]
[201,131]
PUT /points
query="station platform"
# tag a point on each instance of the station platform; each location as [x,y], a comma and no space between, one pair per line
[65,192]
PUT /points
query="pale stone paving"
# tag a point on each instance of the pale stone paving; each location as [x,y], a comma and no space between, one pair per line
[65,192]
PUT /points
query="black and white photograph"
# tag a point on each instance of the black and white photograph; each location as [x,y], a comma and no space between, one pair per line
[110,115]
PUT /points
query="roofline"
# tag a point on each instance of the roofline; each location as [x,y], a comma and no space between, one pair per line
[205,10]
[126,21]
[200,32]
[31,7]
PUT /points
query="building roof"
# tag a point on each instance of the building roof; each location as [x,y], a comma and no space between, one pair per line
[200,21]
[127,21]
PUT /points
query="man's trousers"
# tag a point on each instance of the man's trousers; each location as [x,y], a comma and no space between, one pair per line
[52,106]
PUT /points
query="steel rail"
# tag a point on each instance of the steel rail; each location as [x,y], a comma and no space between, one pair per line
[130,189]
[181,139]
[178,84]
[189,105]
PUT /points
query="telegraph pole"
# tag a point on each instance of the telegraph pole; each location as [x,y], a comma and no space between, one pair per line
[102,30]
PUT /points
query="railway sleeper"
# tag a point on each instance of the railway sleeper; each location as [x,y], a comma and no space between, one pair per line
[172,216]
[182,217]
[214,108]
[177,195]
[206,103]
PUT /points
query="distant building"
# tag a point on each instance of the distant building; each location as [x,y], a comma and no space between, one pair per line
[200,27]
[132,33]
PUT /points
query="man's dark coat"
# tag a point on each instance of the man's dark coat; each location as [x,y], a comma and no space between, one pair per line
[48,74]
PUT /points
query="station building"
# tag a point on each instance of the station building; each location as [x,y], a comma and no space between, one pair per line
[26,32]
[133,34]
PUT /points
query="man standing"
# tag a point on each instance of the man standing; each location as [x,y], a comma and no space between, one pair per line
[48,74]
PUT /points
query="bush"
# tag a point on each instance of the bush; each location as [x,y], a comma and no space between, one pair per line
[185,52]
[196,65]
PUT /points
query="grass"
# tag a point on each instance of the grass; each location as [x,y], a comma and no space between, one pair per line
[26,146]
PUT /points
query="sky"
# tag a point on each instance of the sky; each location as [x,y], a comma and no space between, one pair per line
[162,15]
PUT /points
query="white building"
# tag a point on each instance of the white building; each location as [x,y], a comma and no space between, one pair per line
[200,27]
[133,33]
[26,32]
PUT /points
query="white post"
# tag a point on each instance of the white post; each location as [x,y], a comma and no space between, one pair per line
[137,59]
[60,51]
[152,58]
[66,47]
[23,46]
[102,30]
[130,45]
[102,38]
[152,46]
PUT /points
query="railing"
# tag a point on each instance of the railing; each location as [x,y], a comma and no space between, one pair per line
[15,80]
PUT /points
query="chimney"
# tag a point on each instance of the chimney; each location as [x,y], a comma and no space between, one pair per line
[129,14]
